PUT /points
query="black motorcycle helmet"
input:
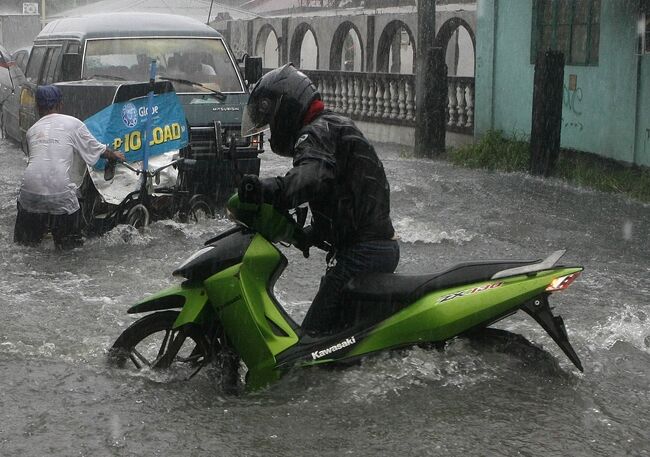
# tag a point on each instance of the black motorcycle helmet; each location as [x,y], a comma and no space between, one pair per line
[279,101]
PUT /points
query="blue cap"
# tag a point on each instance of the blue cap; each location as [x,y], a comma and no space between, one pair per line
[47,97]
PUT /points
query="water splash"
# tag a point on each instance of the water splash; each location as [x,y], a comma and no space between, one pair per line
[458,366]
[412,231]
[629,324]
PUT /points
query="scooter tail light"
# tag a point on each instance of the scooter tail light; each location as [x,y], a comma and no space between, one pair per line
[562,282]
[257,141]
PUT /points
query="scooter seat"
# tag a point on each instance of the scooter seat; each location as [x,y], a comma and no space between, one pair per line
[391,287]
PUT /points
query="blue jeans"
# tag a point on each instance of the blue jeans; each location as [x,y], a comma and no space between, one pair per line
[365,257]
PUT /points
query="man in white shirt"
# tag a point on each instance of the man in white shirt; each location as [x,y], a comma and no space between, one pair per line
[59,148]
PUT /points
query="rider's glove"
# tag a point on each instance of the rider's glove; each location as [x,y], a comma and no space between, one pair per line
[250,189]
[304,239]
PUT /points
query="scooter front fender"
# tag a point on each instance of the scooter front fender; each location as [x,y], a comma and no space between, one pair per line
[192,300]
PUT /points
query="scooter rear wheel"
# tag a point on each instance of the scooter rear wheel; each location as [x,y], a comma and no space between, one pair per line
[152,343]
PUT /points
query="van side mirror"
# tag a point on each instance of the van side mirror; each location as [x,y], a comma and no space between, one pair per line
[252,69]
[71,67]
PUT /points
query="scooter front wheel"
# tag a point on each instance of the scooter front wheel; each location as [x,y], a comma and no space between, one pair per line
[151,342]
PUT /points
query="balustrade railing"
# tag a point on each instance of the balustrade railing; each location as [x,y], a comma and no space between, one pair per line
[390,98]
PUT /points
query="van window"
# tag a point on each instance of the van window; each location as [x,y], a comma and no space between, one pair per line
[202,60]
[73,48]
[21,60]
[35,63]
[52,66]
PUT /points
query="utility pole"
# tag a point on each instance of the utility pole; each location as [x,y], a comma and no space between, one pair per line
[430,85]
[546,129]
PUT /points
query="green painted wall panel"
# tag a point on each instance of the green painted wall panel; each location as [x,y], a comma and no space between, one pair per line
[643,126]
[513,75]
[600,116]
[484,72]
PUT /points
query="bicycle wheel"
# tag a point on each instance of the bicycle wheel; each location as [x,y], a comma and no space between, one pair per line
[200,209]
[138,216]
[152,343]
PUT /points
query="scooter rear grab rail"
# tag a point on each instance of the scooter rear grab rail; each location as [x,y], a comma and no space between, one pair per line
[545,264]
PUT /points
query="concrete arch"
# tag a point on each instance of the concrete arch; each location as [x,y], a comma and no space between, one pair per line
[338,41]
[386,41]
[297,41]
[262,46]
[445,34]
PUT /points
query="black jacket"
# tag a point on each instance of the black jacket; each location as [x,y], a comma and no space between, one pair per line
[336,170]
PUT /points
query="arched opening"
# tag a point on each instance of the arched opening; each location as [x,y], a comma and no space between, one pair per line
[396,49]
[347,51]
[304,48]
[457,37]
[267,47]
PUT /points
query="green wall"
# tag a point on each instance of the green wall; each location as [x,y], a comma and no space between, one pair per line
[643,113]
[607,114]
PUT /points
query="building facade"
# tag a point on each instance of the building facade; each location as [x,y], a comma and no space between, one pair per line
[606,104]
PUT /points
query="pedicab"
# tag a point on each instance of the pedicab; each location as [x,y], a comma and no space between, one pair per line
[147,123]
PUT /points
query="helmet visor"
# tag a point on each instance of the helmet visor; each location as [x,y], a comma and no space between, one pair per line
[258,114]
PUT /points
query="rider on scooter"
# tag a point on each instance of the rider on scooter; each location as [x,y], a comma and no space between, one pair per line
[336,171]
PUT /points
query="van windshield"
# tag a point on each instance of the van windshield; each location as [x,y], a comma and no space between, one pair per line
[201,60]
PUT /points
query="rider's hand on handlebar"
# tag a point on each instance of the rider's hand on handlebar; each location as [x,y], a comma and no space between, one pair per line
[250,189]
[304,239]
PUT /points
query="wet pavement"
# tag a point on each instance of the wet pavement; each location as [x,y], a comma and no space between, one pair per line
[61,311]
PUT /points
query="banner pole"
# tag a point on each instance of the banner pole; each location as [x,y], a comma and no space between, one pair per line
[148,133]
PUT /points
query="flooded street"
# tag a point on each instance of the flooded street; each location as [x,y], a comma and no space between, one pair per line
[62,311]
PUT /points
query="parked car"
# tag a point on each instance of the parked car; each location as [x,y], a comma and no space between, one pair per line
[11,79]
[91,57]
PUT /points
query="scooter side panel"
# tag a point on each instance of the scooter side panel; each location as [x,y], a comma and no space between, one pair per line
[443,314]
[260,264]
[224,289]
[253,324]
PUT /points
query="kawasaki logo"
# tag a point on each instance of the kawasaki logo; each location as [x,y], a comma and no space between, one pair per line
[343,344]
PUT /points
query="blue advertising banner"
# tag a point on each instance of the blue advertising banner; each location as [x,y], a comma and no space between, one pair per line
[121,126]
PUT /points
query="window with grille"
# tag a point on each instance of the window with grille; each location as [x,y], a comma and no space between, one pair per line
[570,26]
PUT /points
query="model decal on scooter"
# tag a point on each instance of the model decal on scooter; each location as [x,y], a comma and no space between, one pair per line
[474,290]
[343,344]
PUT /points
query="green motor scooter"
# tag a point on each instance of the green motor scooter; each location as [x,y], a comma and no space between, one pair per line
[224,310]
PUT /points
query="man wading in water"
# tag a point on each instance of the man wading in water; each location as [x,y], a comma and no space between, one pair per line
[59,147]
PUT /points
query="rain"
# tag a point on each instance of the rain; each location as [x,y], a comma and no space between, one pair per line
[509,392]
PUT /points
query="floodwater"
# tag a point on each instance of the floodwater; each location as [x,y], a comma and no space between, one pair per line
[61,311]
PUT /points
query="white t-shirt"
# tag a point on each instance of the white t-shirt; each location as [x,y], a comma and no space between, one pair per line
[60,146]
